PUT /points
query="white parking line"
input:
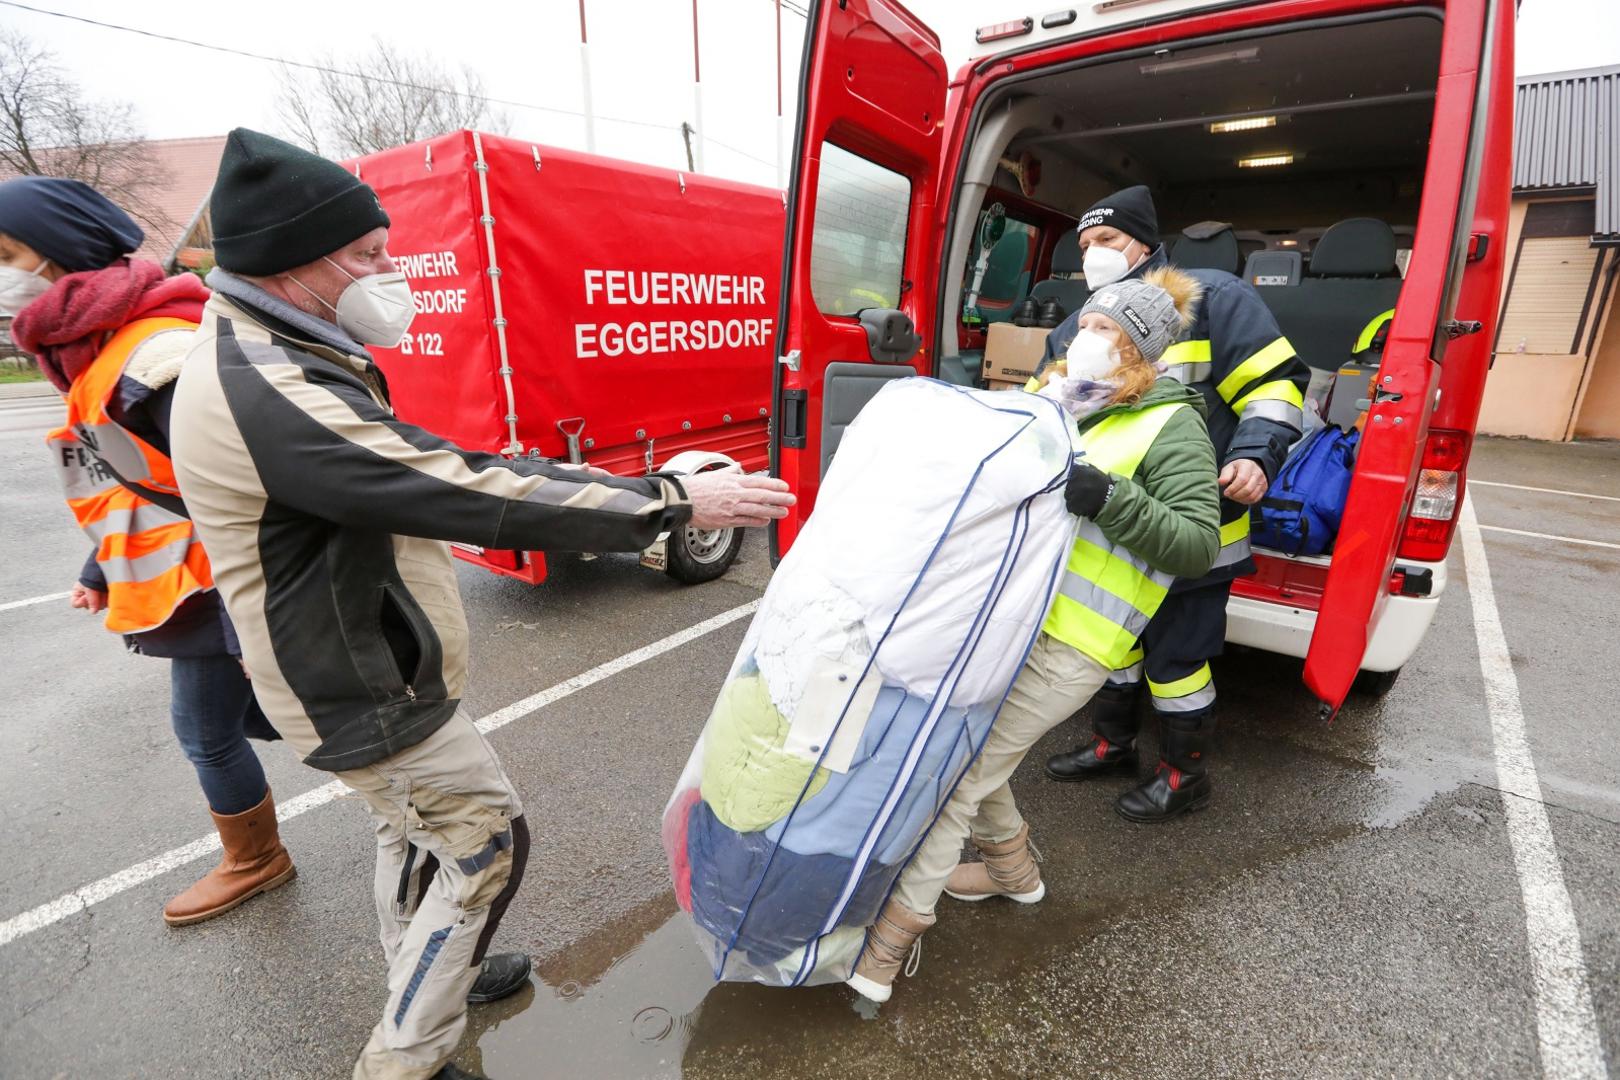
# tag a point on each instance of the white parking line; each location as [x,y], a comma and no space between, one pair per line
[1565,1021]
[94,893]
[1545,491]
[1550,536]
[35,600]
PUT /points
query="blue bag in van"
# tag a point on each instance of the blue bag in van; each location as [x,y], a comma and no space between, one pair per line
[1301,513]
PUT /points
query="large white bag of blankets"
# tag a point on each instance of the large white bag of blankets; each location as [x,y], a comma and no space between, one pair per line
[870,676]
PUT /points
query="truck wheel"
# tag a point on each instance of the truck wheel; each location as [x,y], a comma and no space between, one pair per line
[699,555]
[1375,684]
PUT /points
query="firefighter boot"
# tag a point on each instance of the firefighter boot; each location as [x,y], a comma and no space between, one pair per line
[1051,313]
[1112,749]
[1181,783]
[254,862]
[1009,869]
[889,943]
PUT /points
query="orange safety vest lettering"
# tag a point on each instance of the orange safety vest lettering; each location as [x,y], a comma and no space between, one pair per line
[150,556]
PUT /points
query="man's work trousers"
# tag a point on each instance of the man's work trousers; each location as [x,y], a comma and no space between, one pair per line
[1187,631]
[451,846]
[1056,681]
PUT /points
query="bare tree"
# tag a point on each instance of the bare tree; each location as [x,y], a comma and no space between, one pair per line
[382,99]
[48,128]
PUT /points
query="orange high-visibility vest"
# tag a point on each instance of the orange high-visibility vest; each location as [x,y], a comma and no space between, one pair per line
[149,552]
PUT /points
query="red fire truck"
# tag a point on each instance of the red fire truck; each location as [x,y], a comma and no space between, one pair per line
[1349,157]
[572,306]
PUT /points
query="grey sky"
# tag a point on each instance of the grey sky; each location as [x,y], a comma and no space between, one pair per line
[641,60]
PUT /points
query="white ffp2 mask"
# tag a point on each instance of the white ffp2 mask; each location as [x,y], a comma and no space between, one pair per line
[1104,266]
[19,288]
[373,310]
[1091,357]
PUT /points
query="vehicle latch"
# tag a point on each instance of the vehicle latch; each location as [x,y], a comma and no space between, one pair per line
[1456,328]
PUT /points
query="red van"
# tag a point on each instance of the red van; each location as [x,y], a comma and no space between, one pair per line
[1348,157]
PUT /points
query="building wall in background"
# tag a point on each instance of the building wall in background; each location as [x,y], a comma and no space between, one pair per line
[1553,301]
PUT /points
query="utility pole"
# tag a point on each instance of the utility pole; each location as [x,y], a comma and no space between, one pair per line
[696,160]
[781,155]
[686,133]
[585,77]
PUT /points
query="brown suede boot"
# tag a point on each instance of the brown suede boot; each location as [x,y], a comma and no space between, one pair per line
[1009,869]
[888,943]
[254,862]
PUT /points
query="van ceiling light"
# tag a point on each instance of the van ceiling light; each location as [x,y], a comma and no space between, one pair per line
[1252,123]
[997,31]
[1265,161]
[1190,63]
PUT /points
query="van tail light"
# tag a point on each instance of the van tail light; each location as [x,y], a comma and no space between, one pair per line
[1438,497]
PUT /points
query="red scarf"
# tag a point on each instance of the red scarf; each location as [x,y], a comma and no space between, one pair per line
[68,325]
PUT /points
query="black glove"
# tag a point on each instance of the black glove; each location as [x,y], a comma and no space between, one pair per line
[1087,490]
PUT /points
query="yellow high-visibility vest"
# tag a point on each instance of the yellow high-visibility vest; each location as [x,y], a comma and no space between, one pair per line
[1108,594]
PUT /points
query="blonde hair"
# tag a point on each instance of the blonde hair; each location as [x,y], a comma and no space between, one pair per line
[1136,375]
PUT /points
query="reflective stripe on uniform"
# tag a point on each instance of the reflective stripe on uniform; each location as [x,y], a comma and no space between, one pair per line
[1189,361]
[1189,694]
[1277,390]
[1282,412]
[1370,331]
[1234,530]
[1279,352]
[1232,554]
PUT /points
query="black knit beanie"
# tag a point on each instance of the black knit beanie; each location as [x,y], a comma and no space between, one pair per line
[276,207]
[1130,211]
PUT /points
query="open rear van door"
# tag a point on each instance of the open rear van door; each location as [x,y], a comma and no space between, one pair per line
[1450,293]
[866,174]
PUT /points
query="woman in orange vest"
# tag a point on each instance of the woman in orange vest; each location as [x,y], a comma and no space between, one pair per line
[109,332]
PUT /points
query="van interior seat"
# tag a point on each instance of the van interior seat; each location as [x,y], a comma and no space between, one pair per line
[1266,269]
[1353,278]
[1005,279]
[1206,246]
[1071,291]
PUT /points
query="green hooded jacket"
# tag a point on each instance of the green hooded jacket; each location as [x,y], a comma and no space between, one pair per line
[1169,512]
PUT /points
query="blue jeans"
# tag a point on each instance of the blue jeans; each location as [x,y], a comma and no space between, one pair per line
[213,712]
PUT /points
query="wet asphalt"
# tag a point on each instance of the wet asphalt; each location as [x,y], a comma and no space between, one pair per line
[1348,906]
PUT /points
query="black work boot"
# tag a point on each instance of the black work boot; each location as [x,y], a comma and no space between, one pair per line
[1051,313]
[450,1072]
[501,975]
[1181,783]
[1026,312]
[1112,748]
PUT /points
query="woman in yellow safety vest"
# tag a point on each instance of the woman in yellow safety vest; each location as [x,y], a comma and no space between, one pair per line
[109,332]
[1144,488]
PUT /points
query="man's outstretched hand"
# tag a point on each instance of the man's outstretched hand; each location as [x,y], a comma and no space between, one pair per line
[726,499]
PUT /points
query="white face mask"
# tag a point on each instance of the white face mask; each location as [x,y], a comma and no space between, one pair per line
[19,288]
[373,310]
[1092,357]
[1104,266]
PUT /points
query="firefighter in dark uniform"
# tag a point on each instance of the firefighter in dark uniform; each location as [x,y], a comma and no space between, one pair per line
[1237,357]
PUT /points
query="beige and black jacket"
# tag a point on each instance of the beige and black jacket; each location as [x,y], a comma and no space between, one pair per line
[325,518]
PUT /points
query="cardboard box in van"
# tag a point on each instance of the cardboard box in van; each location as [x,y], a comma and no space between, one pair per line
[1012,353]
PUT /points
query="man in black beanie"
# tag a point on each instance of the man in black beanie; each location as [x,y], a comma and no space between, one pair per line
[1236,356]
[326,519]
